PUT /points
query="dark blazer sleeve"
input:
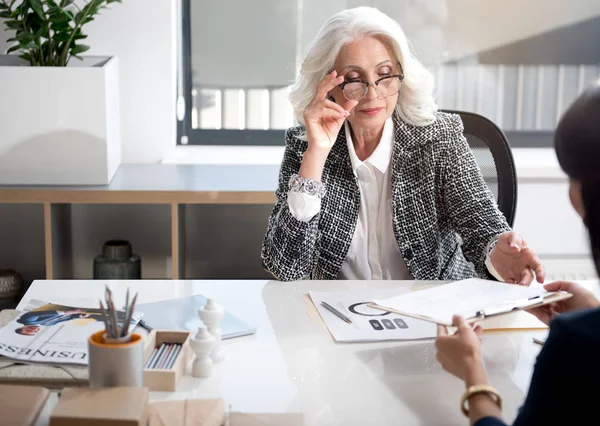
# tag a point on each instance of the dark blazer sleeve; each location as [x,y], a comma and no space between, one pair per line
[35,318]
[468,201]
[566,365]
[289,246]
[489,421]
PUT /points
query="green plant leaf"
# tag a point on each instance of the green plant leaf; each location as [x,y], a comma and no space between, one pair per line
[24,37]
[5,14]
[63,36]
[42,32]
[4,6]
[60,27]
[60,17]
[27,57]
[14,14]
[79,48]
[34,21]
[13,25]
[65,3]
[13,49]
[37,7]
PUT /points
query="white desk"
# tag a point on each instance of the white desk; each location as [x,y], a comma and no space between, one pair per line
[292,364]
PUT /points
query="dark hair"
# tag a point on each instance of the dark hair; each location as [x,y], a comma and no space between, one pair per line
[577,144]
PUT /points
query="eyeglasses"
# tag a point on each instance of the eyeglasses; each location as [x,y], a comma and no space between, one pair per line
[356,89]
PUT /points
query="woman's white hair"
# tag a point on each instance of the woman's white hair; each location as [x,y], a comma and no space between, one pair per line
[416,104]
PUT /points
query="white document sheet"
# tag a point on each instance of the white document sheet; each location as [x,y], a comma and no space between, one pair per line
[368,324]
[465,297]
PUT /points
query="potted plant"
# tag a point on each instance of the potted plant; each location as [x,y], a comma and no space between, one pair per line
[59,109]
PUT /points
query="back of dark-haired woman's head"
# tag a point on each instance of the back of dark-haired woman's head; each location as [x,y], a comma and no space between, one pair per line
[577,144]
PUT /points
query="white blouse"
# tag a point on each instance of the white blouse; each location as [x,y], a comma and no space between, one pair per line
[374,253]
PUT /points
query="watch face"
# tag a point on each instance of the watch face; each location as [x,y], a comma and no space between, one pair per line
[310,187]
[295,183]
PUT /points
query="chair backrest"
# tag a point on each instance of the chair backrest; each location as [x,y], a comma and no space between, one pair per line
[494,156]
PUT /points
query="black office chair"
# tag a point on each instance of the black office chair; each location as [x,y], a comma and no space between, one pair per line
[494,156]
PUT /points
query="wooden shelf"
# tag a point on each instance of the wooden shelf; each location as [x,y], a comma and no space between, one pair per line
[170,184]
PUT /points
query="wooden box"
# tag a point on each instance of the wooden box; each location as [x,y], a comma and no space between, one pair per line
[167,379]
[113,406]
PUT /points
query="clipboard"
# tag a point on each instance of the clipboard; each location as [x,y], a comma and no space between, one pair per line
[438,304]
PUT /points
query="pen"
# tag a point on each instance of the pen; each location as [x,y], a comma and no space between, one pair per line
[336,312]
[144,325]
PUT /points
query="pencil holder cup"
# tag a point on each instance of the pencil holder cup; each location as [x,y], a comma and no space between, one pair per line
[116,362]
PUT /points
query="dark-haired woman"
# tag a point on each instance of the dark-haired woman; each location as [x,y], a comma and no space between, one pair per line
[564,386]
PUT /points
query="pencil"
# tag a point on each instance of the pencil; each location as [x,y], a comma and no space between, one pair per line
[161,365]
[152,357]
[173,356]
[158,355]
[336,312]
[126,308]
[129,314]
[113,314]
[104,316]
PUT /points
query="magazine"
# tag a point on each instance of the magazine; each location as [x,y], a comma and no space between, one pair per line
[53,334]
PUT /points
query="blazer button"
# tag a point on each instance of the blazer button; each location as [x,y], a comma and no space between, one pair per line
[408,254]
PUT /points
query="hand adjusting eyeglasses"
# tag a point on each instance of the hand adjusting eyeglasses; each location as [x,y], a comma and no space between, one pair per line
[356,89]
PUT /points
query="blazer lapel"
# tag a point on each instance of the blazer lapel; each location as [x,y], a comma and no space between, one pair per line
[406,192]
[339,209]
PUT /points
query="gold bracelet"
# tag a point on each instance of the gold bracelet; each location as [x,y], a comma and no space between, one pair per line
[476,390]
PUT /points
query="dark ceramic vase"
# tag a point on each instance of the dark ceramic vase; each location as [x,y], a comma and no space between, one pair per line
[117,262]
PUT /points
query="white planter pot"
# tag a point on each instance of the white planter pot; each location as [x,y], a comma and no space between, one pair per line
[59,125]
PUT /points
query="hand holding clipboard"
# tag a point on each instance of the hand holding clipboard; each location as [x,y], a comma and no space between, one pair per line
[474,299]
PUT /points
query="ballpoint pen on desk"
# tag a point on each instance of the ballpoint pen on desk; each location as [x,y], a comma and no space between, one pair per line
[144,325]
[335,312]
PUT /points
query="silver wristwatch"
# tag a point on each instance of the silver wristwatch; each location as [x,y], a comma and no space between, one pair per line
[307,186]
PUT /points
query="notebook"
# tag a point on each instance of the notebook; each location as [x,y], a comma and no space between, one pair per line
[475,299]
[21,405]
[182,314]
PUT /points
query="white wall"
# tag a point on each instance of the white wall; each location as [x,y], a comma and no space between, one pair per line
[142,33]
[3,37]
[478,25]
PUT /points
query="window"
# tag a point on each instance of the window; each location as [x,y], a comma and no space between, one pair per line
[518,63]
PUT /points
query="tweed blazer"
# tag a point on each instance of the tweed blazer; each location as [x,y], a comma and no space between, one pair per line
[444,215]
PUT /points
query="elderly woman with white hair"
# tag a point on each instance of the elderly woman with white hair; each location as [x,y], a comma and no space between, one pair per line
[377,183]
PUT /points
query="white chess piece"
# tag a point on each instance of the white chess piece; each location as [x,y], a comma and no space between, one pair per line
[202,344]
[211,314]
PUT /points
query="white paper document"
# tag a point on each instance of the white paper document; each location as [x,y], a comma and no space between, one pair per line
[469,298]
[368,324]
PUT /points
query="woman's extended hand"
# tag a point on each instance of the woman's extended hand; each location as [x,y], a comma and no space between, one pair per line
[580,299]
[460,353]
[324,118]
[515,261]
